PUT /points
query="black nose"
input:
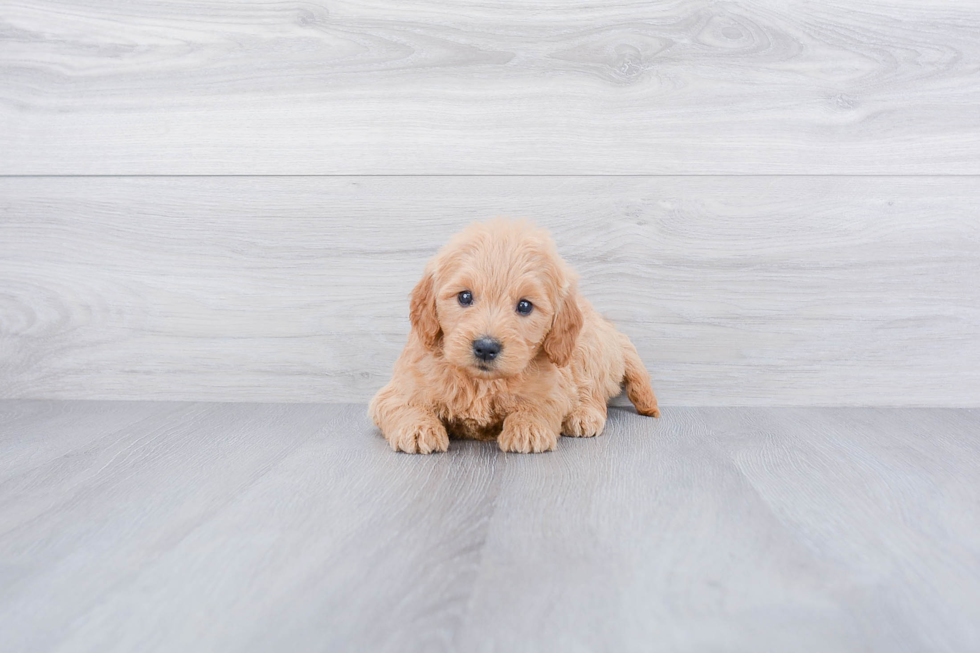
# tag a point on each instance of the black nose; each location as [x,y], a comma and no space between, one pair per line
[486,349]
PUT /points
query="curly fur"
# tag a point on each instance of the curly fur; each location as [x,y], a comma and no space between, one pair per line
[557,368]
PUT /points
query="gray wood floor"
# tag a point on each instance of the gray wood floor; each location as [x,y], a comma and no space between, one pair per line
[195,527]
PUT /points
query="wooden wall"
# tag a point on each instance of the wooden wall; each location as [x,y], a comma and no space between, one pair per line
[778,201]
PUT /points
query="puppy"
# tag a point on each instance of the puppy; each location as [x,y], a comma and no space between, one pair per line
[504,347]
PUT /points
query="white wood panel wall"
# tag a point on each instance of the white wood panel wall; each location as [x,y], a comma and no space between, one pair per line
[776,200]
[737,290]
[490,86]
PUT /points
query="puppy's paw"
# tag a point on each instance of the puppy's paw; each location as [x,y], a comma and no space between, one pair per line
[584,422]
[526,436]
[420,438]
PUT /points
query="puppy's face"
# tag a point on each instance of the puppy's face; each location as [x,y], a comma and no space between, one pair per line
[494,316]
[494,298]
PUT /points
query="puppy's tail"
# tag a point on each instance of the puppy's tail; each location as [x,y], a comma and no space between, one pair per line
[637,380]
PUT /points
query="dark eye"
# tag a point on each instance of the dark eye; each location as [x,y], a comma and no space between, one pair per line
[465,298]
[524,307]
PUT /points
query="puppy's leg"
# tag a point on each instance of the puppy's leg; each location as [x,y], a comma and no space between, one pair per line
[530,431]
[637,379]
[407,428]
[587,419]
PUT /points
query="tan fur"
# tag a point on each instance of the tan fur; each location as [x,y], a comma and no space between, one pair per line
[557,369]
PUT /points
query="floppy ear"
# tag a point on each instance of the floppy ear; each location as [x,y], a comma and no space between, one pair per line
[560,341]
[422,310]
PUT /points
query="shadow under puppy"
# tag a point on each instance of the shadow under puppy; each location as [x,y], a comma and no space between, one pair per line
[504,347]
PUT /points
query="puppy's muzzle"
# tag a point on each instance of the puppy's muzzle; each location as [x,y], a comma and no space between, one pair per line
[486,349]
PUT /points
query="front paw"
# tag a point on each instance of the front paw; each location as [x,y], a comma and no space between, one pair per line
[420,438]
[526,436]
[584,422]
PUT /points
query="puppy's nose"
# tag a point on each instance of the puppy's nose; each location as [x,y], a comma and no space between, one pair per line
[486,349]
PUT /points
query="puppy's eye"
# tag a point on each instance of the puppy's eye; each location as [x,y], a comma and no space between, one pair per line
[524,307]
[465,298]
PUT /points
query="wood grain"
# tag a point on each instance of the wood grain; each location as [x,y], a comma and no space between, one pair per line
[762,290]
[302,496]
[489,87]
[293,527]
[739,530]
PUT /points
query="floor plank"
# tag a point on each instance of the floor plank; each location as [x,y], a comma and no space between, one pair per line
[294,527]
[737,291]
[40,432]
[490,87]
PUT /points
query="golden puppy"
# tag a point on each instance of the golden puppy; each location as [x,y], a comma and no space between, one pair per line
[504,347]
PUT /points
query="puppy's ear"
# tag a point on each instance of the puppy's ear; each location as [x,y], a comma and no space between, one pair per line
[560,341]
[422,310]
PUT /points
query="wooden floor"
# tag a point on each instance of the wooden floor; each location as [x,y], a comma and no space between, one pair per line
[129,526]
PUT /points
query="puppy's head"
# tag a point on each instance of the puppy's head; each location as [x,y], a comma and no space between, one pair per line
[495,297]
